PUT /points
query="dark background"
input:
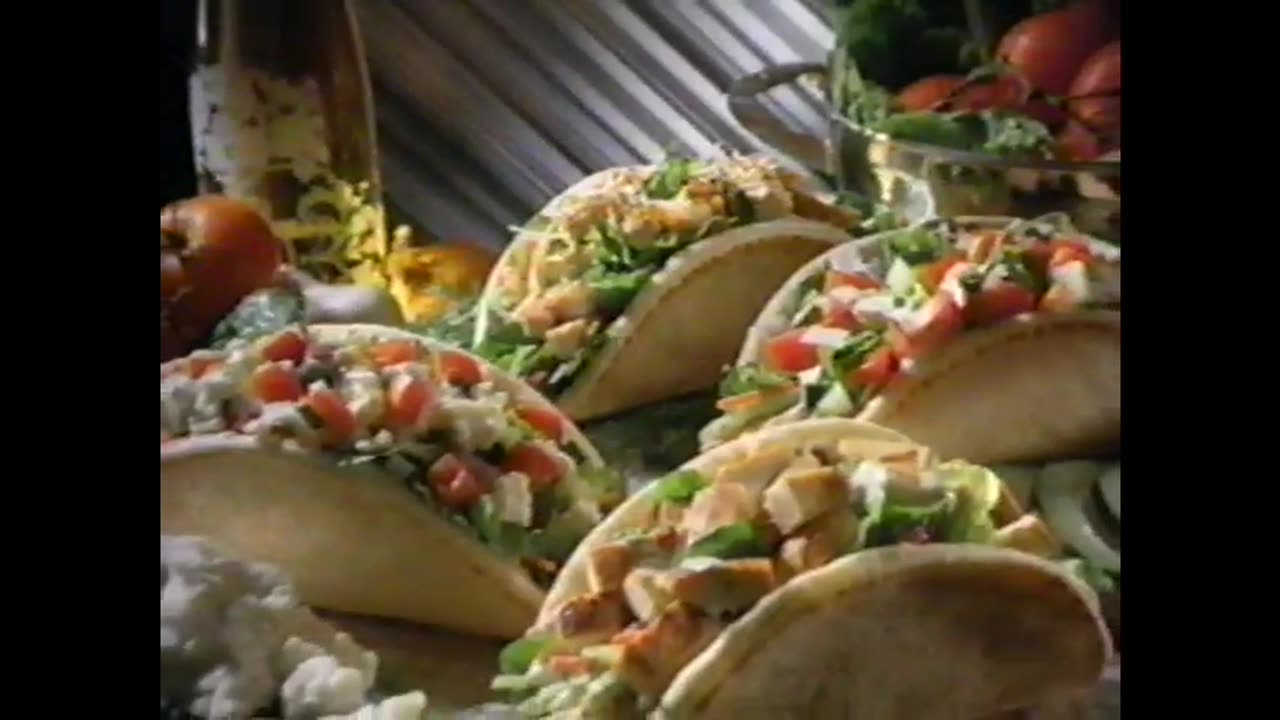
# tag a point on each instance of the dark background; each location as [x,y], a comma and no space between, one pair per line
[177,42]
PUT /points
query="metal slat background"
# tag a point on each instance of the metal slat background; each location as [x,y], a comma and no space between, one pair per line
[487,108]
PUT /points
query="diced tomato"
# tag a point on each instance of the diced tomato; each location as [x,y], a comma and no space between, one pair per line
[395,352]
[944,321]
[841,316]
[998,303]
[459,369]
[876,371]
[199,367]
[273,383]
[861,281]
[454,483]
[1066,251]
[409,403]
[540,467]
[1042,256]
[339,424]
[546,421]
[568,665]
[789,353]
[287,346]
[931,275]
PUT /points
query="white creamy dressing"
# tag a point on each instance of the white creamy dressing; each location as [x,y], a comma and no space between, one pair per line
[234,637]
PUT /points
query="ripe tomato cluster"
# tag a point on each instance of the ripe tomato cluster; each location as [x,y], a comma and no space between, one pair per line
[1061,68]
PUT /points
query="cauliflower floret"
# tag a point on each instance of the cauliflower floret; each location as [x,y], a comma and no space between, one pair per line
[231,633]
[320,684]
[410,706]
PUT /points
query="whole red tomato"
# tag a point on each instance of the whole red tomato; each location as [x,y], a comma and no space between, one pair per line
[928,92]
[1011,93]
[1050,48]
[1095,92]
[213,252]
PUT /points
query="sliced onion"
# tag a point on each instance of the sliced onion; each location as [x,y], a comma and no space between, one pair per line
[1062,492]
[1109,484]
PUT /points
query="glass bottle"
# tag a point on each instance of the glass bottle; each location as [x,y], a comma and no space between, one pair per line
[282,117]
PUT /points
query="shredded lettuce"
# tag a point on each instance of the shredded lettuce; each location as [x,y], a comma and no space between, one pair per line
[750,378]
[614,291]
[517,656]
[739,540]
[671,177]
[916,246]
[679,487]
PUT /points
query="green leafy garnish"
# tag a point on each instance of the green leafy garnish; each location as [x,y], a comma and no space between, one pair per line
[949,130]
[670,178]
[870,106]
[917,246]
[751,378]
[1010,135]
[875,216]
[615,254]
[507,538]
[456,327]
[558,539]
[739,540]
[516,657]
[608,486]
[853,353]
[261,313]
[1014,263]
[679,487]
[894,523]
[870,34]
[614,291]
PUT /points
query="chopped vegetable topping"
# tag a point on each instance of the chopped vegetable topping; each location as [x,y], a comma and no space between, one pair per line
[502,469]
[859,324]
[651,607]
[590,254]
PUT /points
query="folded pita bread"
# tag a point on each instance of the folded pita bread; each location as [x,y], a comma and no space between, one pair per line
[940,600]
[379,523]
[630,287]
[1023,387]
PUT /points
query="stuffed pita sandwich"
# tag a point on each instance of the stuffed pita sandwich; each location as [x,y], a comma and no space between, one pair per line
[387,474]
[637,284]
[990,339]
[824,569]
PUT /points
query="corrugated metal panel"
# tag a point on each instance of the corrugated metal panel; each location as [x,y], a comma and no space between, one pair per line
[487,108]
